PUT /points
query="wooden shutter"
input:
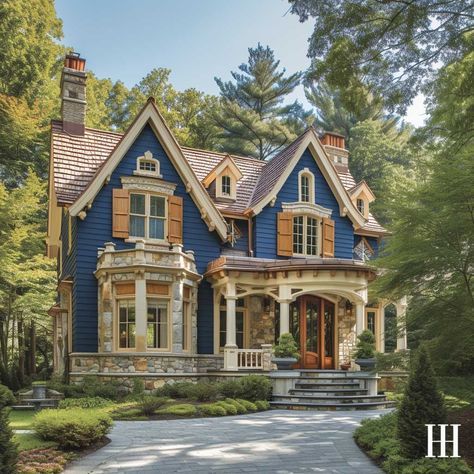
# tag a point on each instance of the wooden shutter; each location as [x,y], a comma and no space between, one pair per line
[120,211]
[175,219]
[328,237]
[285,234]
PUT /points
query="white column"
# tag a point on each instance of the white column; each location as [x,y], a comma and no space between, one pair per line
[284,298]
[140,312]
[401,306]
[360,318]
[230,350]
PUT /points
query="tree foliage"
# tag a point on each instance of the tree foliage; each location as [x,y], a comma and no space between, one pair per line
[422,404]
[252,118]
[393,46]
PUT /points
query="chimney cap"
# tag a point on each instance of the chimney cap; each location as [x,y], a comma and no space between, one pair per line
[74,61]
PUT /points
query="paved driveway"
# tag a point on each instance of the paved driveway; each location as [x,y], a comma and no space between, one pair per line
[277,441]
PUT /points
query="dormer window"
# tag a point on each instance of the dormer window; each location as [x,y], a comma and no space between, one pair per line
[306,186]
[148,166]
[226,185]
[361,206]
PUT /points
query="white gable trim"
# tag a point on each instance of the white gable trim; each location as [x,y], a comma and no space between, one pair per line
[227,162]
[150,114]
[362,187]
[346,206]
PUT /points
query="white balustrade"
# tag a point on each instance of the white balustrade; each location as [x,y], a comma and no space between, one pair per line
[250,358]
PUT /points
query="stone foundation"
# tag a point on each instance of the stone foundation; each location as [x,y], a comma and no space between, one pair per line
[262,322]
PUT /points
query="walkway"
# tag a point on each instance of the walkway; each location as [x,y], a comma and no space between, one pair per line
[277,441]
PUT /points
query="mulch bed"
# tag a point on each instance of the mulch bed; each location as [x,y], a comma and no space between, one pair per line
[466,433]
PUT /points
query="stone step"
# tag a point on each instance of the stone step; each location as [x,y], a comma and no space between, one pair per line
[332,406]
[329,379]
[328,399]
[327,392]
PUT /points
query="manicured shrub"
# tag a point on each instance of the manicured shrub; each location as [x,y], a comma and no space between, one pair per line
[262,405]
[130,413]
[255,387]
[150,404]
[93,387]
[75,428]
[250,406]
[365,347]
[85,402]
[8,449]
[228,407]
[138,387]
[241,410]
[286,347]
[182,409]
[436,466]
[204,392]
[422,404]
[176,390]
[230,388]
[212,409]
[6,396]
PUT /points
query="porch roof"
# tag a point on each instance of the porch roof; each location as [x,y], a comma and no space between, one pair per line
[267,265]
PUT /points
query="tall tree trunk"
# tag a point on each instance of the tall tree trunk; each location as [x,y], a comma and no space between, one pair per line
[21,350]
[32,348]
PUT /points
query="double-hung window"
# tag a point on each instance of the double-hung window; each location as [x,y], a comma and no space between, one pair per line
[305,235]
[361,206]
[147,216]
[226,185]
[157,324]
[127,324]
[305,194]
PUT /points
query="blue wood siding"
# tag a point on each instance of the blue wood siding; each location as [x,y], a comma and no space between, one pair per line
[96,229]
[266,222]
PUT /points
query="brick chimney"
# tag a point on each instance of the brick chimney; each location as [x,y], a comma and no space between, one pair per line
[73,94]
[334,144]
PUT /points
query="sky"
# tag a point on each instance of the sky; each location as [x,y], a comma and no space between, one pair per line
[197,39]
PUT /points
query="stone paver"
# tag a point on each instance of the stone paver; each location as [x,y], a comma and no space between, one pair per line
[277,441]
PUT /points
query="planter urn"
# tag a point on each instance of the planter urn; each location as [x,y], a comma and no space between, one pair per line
[284,363]
[366,364]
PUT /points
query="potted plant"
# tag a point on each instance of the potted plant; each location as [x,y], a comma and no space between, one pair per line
[285,352]
[365,350]
[345,364]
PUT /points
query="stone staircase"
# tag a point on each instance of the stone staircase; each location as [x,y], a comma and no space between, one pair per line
[328,390]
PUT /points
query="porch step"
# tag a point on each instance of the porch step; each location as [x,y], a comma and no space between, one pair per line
[334,379]
[329,386]
[332,406]
[329,399]
[331,393]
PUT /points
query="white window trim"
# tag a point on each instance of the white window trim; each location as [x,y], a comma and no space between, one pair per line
[233,187]
[134,238]
[148,156]
[305,235]
[306,172]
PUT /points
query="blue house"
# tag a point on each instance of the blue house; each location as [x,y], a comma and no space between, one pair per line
[173,261]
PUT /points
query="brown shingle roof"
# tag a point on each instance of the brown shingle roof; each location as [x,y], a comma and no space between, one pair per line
[77,158]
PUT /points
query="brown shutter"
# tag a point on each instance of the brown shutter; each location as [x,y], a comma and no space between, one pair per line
[120,210]
[285,234]
[328,237]
[175,219]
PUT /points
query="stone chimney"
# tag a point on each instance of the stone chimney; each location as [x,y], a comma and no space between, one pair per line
[334,144]
[73,94]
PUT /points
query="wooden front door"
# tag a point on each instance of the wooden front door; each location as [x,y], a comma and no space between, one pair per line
[312,326]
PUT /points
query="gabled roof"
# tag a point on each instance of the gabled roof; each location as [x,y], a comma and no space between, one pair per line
[150,115]
[226,162]
[278,169]
[362,186]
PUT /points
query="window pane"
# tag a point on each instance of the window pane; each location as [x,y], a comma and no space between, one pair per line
[239,321]
[305,188]
[131,335]
[225,184]
[157,228]
[137,226]
[123,335]
[222,325]
[311,236]
[151,314]
[137,204]
[157,206]
[186,328]
[298,234]
[131,311]
[123,314]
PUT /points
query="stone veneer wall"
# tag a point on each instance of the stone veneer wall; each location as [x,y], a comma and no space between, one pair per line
[346,331]
[261,322]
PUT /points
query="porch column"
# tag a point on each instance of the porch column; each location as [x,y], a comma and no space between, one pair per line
[401,306]
[382,328]
[360,318]
[230,350]
[284,293]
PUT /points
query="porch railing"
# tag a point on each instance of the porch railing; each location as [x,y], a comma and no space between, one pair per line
[248,359]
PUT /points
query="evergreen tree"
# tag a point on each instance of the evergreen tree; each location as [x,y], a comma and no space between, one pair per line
[8,449]
[252,117]
[422,404]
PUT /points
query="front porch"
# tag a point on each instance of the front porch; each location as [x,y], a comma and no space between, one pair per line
[322,302]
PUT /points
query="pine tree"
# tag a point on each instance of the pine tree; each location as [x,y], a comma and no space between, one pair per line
[252,117]
[8,450]
[422,404]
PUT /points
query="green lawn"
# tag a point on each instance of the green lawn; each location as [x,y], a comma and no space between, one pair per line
[21,420]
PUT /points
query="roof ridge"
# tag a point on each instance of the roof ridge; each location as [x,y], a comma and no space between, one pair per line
[258,160]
